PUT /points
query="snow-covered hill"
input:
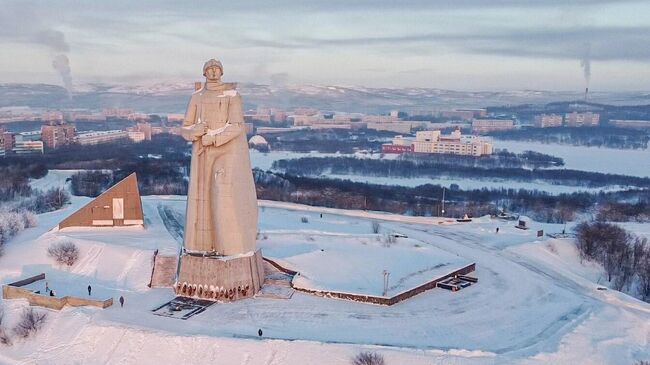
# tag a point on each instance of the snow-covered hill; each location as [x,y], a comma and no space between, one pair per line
[172,96]
[535,302]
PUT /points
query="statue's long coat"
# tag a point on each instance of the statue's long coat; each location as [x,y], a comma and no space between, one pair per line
[221,201]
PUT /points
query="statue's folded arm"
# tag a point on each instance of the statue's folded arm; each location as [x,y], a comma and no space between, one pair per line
[235,122]
[191,130]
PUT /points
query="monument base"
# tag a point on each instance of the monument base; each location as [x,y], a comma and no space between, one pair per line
[222,278]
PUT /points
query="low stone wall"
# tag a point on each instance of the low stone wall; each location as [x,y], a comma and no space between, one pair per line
[14,291]
[377,299]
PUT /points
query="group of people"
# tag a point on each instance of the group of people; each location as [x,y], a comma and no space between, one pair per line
[90,290]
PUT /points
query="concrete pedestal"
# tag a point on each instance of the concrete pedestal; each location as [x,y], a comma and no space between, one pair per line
[224,278]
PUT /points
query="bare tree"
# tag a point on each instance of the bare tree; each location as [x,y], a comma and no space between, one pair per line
[30,323]
[375,227]
[64,252]
[605,243]
[643,272]
[625,260]
[4,335]
[615,250]
[388,239]
[31,220]
[586,240]
[368,358]
[638,247]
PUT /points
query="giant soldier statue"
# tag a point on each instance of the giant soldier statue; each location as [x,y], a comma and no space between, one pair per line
[219,259]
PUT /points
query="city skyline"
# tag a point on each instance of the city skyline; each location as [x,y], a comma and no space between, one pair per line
[464,45]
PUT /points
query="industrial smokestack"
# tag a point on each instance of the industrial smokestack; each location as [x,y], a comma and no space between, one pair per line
[585,63]
[62,65]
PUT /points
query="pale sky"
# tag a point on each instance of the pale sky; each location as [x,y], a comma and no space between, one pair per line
[453,44]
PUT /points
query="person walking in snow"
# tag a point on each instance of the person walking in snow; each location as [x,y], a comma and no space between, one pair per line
[121,301]
[90,289]
[47,287]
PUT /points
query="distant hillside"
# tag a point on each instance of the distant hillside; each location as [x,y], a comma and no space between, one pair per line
[172,97]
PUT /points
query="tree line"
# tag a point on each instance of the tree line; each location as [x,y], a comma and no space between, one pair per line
[501,158]
[161,165]
[155,177]
[588,136]
[426,199]
[433,167]
[624,256]
[19,202]
[329,141]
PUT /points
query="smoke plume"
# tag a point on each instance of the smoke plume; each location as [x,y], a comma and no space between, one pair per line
[26,23]
[62,65]
[585,63]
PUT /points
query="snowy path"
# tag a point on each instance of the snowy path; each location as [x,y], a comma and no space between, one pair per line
[492,264]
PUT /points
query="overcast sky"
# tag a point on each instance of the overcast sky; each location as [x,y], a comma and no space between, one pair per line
[454,44]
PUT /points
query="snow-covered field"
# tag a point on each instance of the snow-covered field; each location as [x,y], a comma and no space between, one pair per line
[355,263]
[535,302]
[53,179]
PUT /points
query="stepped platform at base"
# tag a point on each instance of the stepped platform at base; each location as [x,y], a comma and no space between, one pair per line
[222,278]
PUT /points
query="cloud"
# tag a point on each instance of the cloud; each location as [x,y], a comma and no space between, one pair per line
[24,23]
[122,37]
[606,43]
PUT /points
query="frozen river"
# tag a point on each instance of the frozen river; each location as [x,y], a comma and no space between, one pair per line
[605,160]
[632,162]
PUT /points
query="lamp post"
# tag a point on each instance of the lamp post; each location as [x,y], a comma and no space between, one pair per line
[386,276]
[443,201]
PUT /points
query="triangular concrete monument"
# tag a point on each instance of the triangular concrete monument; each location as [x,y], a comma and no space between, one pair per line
[118,206]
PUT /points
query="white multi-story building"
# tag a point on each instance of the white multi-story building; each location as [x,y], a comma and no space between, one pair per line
[548,120]
[632,124]
[489,125]
[379,118]
[587,119]
[397,127]
[101,137]
[24,146]
[434,142]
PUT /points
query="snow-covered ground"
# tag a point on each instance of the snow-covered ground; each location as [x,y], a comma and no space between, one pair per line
[535,302]
[53,179]
[355,263]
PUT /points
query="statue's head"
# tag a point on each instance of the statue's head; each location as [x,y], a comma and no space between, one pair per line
[212,70]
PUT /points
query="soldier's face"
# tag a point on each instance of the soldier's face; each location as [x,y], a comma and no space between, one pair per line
[213,73]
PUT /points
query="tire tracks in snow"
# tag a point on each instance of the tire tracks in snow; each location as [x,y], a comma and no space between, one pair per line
[470,247]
